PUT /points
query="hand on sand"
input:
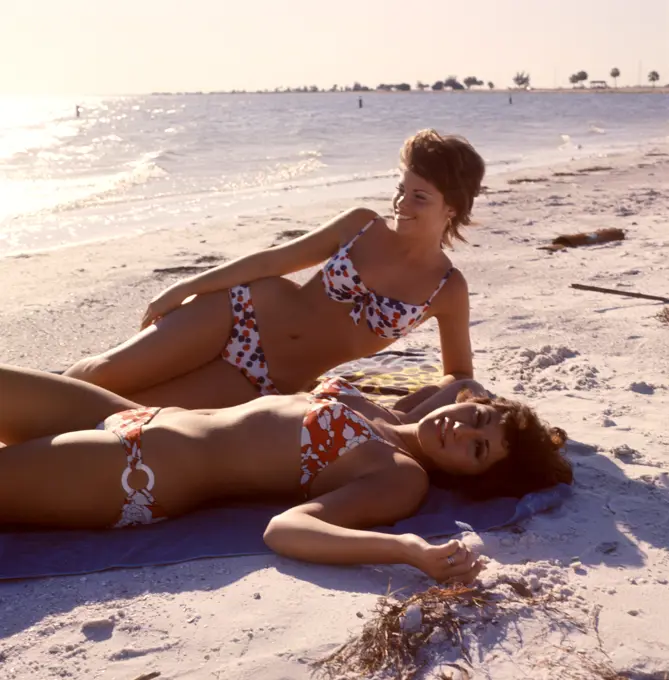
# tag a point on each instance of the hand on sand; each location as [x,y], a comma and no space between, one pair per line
[462,567]
[163,304]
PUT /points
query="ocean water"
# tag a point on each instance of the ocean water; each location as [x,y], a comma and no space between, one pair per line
[131,164]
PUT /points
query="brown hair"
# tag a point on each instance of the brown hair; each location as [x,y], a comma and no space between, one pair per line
[534,460]
[453,166]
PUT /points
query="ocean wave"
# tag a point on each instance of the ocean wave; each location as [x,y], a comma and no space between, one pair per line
[58,197]
[106,138]
[147,166]
[138,173]
[272,176]
[168,155]
[26,140]
[333,180]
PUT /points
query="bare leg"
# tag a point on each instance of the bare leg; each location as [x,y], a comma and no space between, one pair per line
[215,385]
[36,404]
[186,339]
[75,479]
[70,481]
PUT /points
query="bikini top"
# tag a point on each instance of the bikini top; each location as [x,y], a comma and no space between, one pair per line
[386,317]
[330,429]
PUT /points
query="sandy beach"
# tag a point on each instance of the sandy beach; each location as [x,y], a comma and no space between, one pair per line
[595,364]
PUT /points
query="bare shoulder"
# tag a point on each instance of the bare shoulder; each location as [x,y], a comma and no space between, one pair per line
[385,495]
[453,298]
[405,481]
[412,472]
[318,244]
[362,215]
[354,220]
[457,282]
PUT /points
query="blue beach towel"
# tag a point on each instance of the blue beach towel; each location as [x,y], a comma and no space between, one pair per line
[237,530]
[233,531]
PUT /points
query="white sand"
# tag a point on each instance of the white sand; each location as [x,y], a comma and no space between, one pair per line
[592,363]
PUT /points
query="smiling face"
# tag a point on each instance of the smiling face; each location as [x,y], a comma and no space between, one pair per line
[452,167]
[419,206]
[463,439]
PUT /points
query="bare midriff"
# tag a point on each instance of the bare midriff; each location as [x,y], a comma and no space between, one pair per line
[250,449]
[304,333]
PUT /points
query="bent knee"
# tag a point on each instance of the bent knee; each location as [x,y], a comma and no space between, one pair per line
[95,370]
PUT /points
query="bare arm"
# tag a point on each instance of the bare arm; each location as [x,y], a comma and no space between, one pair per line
[300,253]
[453,319]
[456,349]
[442,396]
[330,529]
[425,400]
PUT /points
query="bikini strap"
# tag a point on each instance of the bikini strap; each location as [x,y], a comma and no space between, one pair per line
[349,245]
[445,278]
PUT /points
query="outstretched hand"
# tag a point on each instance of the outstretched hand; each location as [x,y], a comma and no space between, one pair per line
[450,562]
[162,304]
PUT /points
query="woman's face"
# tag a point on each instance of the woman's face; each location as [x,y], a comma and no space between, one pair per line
[463,439]
[419,206]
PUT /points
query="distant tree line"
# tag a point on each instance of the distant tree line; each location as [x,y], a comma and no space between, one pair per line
[582,76]
[521,80]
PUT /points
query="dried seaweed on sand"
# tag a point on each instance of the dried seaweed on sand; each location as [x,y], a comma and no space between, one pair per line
[393,644]
[392,639]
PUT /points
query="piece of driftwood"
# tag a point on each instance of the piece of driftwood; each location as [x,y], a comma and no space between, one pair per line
[613,291]
[149,676]
[585,239]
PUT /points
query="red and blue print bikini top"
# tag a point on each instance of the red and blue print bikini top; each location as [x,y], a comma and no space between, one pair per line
[386,317]
[330,429]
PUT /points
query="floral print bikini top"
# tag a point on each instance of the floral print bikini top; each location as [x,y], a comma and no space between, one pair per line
[330,429]
[386,317]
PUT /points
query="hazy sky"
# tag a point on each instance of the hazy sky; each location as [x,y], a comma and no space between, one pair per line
[136,46]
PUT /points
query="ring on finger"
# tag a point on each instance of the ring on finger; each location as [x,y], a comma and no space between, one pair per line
[450,561]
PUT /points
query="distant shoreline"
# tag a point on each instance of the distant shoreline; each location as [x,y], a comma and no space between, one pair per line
[507,91]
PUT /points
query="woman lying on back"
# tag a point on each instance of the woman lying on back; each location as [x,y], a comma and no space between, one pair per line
[80,456]
[249,331]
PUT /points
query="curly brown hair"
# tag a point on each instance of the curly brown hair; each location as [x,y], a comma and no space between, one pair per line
[534,460]
[453,166]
